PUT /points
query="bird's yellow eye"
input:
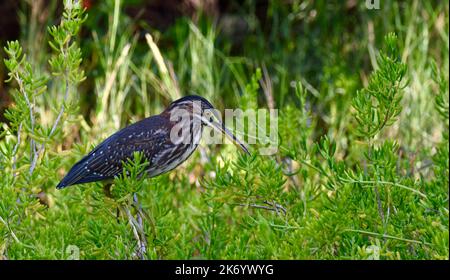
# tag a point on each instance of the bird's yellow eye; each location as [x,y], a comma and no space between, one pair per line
[209,116]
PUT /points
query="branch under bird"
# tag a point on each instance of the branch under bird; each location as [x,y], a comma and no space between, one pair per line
[154,138]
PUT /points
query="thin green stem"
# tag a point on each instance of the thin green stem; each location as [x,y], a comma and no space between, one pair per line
[383,183]
[386,236]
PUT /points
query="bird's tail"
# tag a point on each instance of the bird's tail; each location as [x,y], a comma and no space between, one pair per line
[74,175]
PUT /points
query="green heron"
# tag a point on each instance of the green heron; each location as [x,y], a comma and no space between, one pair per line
[156,137]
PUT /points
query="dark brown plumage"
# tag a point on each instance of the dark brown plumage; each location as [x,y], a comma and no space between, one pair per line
[152,137]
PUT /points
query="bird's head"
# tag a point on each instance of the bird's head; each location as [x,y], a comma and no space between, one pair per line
[200,110]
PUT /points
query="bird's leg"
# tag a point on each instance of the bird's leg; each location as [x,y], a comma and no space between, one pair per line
[142,240]
[136,224]
[118,215]
[136,231]
[138,209]
[107,191]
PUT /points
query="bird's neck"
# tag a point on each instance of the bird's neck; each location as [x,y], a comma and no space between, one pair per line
[186,130]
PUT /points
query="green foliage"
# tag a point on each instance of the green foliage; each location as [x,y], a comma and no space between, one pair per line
[67,57]
[250,95]
[132,179]
[27,135]
[361,172]
[378,105]
[30,86]
[441,99]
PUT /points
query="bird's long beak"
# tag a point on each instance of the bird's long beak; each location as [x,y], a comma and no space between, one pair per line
[219,126]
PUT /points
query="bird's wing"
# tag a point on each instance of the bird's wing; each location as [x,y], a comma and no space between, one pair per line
[105,161]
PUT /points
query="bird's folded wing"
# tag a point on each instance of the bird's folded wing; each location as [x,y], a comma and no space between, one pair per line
[105,161]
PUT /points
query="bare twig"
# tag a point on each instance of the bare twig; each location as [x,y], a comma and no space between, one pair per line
[272,206]
[55,124]
[61,110]
[256,206]
[13,235]
[379,205]
[276,206]
[33,155]
[138,209]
